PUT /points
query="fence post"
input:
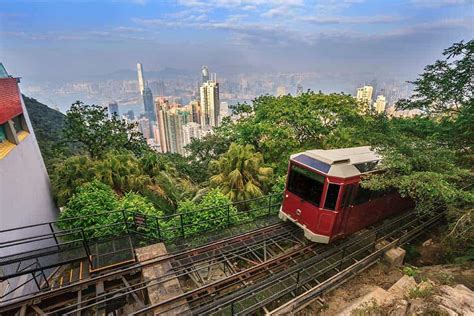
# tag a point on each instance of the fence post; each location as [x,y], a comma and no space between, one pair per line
[86,247]
[36,281]
[228,215]
[232,308]
[298,280]
[125,221]
[45,278]
[182,226]
[54,234]
[158,228]
[269,204]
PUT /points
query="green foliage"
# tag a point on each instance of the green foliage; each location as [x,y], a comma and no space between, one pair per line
[210,147]
[278,127]
[90,127]
[421,292]
[152,175]
[279,184]
[426,158]
[240,173]
[411,271]
[213,212]
[445,86]
[86,209]
[133,202]
[430,159]
[48,125]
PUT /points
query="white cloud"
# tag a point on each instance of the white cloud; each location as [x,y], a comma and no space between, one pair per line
[438,3]
[375,19]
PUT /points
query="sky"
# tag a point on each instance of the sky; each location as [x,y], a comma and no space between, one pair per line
[67,39]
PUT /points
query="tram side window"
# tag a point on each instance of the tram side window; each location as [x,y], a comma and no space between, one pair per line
[346,199]
[331,196]
[363,196]
[306,184]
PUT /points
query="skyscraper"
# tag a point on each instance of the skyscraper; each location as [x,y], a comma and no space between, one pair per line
[147,95]
[161,105]
[196,111]
[145,127]
[141,79]
[113,109]
[210,106]
[380,104]
[149,105]
[364,96]
[205,74]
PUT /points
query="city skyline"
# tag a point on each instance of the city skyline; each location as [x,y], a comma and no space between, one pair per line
[66,40]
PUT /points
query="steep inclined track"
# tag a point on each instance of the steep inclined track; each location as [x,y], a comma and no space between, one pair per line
[260,270]
[277,280]
[251,250]
[183,258]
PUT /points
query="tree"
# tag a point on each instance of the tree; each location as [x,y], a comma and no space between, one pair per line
[90,126]
[240,173]
[278,127]
[210,147]
[447,85]
[70,174]
[429,158]
[151,175]
[88,209]
[213,212]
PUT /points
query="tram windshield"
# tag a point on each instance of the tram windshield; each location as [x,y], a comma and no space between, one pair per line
[306,184]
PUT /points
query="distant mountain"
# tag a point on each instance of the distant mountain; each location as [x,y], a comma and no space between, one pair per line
[127,74]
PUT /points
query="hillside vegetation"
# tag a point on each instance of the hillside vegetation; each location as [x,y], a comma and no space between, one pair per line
[427,158]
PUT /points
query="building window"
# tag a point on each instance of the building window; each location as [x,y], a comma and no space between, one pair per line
[3,134]
[12,133]
[19,123]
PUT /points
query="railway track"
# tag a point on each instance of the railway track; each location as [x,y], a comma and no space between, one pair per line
[299,270]
[256,271]
[182,258]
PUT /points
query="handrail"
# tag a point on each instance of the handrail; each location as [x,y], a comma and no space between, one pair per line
[154,216]
[151,226]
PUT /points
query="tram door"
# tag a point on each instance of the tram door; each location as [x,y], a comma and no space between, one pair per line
[345,207]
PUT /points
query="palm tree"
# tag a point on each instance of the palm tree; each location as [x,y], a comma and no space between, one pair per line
[69,175]
[239,173]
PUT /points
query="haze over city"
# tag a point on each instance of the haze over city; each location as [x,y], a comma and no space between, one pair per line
[343,44]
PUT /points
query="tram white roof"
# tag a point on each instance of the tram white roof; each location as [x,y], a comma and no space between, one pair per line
[343,162]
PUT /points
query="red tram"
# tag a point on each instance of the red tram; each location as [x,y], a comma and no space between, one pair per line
[323,195]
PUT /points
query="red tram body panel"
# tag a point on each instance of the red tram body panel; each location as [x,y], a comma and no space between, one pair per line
[323,195]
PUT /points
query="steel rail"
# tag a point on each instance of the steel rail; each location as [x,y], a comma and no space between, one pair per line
[334,249]
[218,304]
[181,271]
[29,299]
[362,250]
[307,297]
[239,276]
